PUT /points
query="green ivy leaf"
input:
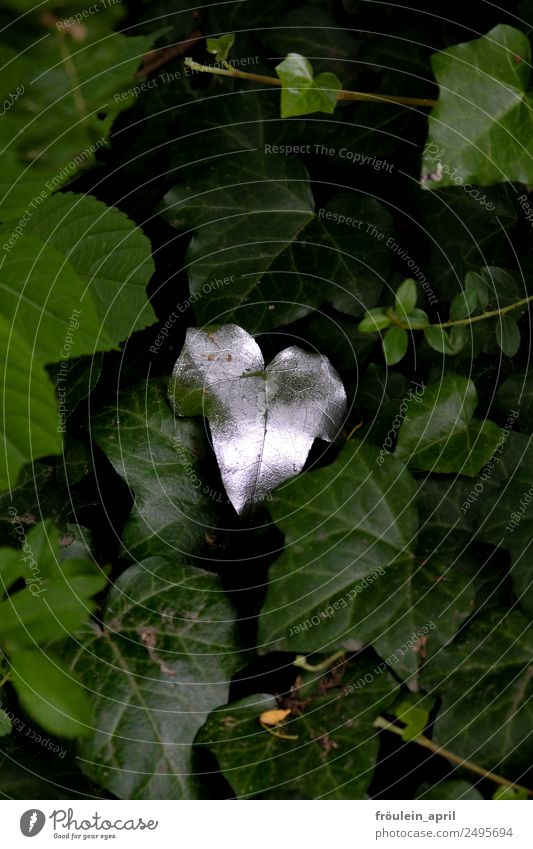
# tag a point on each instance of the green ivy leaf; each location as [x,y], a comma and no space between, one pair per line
[469,725]
[508,335]
[350,532]
[395,343]
[75,282]
[458,337]
[275,281]
[480,131]
[335,749]
[50,693]
[497,505]
[516,393]
[221,46]
[301,92]
[163,660]
[412,709]
[160,458]
[463,232]
[439,433]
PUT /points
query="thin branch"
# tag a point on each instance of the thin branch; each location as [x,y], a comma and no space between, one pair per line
[491,314]
[341,95]
[463,322]
[155,59]
[421,740]
[301,662]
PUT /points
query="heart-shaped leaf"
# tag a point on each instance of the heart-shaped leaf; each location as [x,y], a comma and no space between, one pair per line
[263,421]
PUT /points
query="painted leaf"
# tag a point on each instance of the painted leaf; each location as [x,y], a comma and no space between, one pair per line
[263,421]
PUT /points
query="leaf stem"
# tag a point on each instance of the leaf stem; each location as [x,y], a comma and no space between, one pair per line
[229,71]
[278,734]
[424,741]
[5,679]
[460,322]
[471,319]
[301,662]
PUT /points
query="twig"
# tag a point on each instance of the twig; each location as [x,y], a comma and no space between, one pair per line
[462,322]
[502,311]
[301,662]
[421,740]
[341,95]
[155,59]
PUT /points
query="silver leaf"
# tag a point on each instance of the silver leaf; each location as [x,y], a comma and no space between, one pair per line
[263,421]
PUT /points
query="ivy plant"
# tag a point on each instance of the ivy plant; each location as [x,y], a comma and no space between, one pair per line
[267,406]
